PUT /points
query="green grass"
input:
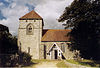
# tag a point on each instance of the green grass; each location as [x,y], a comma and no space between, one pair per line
[88,63]
[61,64]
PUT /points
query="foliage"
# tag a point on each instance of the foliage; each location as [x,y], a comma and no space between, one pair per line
[24,59]
[84,18]
[15,60]
[8,43]
[8,46]
[10,55]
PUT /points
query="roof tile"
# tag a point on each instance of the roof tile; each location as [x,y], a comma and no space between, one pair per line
[30,15]
[55,35]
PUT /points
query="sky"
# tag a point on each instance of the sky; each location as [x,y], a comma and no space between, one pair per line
[49,10]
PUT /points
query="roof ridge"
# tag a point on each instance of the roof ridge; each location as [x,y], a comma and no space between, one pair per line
[56,29]
[31,15]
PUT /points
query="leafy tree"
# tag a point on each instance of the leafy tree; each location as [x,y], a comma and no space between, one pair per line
[10,55]
[8,45]
[84,18]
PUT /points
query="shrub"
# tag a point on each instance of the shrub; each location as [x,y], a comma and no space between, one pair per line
[24,59]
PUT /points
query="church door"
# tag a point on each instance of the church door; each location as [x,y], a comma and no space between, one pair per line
[56,54]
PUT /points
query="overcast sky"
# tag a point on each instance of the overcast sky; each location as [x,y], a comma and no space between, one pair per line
[49,10]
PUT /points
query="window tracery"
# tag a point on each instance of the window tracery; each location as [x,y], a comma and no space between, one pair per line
[29,29]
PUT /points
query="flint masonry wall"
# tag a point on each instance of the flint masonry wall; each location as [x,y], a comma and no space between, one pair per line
[68,54]
[30,42]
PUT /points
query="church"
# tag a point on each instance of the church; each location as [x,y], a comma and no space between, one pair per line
[42,43]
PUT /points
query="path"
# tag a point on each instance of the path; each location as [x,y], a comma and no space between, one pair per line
[53,64]
[46,65]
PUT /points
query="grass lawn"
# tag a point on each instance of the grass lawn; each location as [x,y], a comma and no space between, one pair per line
[88,63]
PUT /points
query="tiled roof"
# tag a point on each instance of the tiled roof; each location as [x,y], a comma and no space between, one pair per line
[44,31]
[55,35]
[30,15]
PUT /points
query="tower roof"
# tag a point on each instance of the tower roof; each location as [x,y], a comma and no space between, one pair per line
[30,16]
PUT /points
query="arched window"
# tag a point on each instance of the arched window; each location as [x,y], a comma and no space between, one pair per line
[29,29]
[44,51]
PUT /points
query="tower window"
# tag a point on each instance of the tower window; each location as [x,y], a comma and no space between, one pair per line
[34,20]
[26,20]
[29,29]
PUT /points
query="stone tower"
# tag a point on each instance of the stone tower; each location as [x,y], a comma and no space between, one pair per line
[30,33]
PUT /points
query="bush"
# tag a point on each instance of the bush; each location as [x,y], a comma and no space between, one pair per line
[24,59]
[15,60]
[9,56]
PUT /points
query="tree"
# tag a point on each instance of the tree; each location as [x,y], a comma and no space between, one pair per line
[8,46]
[8,43]
[84,18]
[10,55]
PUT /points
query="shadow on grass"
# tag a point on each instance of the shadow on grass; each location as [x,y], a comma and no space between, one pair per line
[92,64]
[28,64]
[88,63]
[18,65]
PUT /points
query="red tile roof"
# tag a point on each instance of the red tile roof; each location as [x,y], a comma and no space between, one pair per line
[55,35]
[30,15]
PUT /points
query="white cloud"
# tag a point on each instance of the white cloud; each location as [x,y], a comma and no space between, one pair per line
[50,10]
[12,14]
[1,4]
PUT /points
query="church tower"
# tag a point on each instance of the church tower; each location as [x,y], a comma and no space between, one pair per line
[30,33]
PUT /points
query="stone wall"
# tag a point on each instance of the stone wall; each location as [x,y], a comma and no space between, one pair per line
[33,41]
[68,54]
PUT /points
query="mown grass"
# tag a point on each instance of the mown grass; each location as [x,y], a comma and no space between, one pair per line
[61,64]
[88,63]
